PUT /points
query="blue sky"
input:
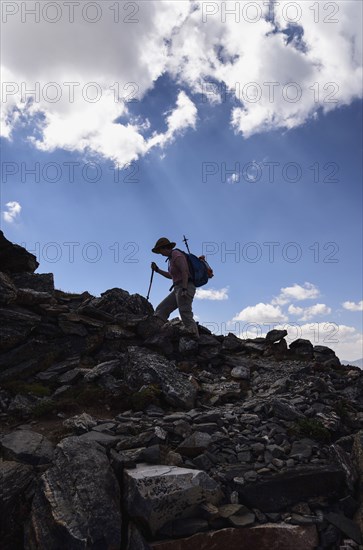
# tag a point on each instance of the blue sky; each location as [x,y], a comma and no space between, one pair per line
[269,190]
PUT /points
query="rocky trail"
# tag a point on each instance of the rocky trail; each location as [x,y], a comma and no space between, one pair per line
[116,434]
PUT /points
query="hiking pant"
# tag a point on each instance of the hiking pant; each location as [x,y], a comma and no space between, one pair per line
[174,301]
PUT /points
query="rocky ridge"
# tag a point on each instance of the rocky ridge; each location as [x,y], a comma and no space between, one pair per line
[119,434]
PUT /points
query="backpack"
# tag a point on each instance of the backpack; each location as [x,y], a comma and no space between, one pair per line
[199,268]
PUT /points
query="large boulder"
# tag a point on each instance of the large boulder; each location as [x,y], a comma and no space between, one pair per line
[156,495]
[302,348]
[118,301]
[27,446]
[326,356]
[15,482]
[14,258]
[262,537]
[146,368]
[77,503]
[7,289]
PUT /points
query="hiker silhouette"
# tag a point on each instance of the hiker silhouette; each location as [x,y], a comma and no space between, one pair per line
[182,290]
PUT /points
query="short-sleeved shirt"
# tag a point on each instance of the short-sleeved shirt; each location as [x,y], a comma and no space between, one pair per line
[175,272]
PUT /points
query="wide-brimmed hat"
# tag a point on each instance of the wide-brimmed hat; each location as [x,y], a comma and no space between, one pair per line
[161,243]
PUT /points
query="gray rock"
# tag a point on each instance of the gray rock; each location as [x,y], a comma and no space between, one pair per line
[8,290]
[28,447]
[77,503]
[22,405]
[326,356]
[98,437]
[16,325]
[40,282]
[161,343]
[161,494]
[241,373]
[302,348]
[346,525]
[30,297]
[15,258]
[194,444]
[146,368]
[284,410]
[71,377]
[80,423]
[222,389]
[58,369]
[118,301]
[232,343]
[302,449]
[188,346]
[275,335]
[68,327]
[102,369]
[15,483]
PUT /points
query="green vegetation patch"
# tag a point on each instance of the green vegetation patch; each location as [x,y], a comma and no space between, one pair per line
[149,395]
[309,427]
[17,386]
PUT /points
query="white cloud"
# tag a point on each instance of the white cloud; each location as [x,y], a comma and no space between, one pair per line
[125,60]
[313,311]
[181,118]
[352,306]
[211,294]
[13,211]
[261,313]
[122,59]
[295,310]
[296,292]
[234,178]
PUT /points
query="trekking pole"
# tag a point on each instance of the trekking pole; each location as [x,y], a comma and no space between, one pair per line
[151,282]
[185,240]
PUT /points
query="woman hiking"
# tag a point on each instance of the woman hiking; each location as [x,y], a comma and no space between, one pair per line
[182,290]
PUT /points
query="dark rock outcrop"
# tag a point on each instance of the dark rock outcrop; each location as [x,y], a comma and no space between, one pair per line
[15,258]
[164,441]
[77,503]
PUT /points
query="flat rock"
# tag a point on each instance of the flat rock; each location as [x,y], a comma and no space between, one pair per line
[194,444]
[101,438]
[30,297]
[280,490]
[28,447]
[77,503]
[40,282]
[157,495]
[262,537]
